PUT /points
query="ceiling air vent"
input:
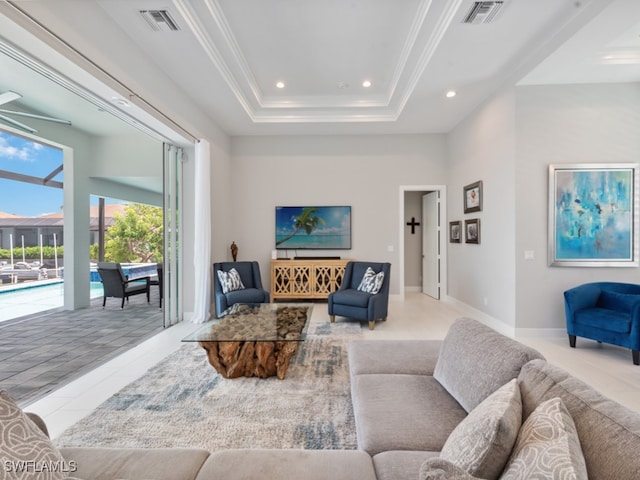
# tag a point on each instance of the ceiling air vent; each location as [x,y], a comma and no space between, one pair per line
[160,20]
[482,12]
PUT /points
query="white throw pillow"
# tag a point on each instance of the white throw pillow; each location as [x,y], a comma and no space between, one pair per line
[27,453]
[230,281]
[547,446]
[371,281]
[482,442]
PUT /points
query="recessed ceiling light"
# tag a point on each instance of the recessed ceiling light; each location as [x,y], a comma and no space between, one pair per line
[366,83]
[280,84]
[451,94]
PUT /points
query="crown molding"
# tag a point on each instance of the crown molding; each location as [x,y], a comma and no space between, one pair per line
[229,60]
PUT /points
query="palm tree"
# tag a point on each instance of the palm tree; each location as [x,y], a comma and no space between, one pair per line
[306,220]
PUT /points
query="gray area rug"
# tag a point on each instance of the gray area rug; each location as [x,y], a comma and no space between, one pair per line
[184,402]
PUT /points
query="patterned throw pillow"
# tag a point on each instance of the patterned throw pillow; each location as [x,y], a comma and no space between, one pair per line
[230,281]
[438,469]
[27,453]
[482,442]
[371,281]
[547,446]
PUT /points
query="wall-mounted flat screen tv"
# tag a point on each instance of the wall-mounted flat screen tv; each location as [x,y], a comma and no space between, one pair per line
[317,228]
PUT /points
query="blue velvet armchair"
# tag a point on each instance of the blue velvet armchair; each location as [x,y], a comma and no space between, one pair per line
[251,293]
[348,301]
[607,312]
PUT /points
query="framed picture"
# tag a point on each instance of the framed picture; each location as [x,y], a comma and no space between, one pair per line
[473,197]
[593,215]
[472,230]
[454,232]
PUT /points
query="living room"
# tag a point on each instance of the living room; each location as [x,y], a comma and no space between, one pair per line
[498,143]
[507,142]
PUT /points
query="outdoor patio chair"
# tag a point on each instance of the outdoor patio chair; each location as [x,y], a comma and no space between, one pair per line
[116,284]
[159,281]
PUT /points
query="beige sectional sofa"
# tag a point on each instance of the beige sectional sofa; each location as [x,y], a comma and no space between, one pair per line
[402,430]
[429,410]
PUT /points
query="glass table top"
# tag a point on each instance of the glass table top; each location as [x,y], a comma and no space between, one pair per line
[260,322]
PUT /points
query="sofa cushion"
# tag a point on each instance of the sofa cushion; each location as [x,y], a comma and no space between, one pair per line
[439,469]
[288,465]
[246,295]
[136,463]
[351,297]
[611,449]
[371,281]
[402,412]
[483,441]
[622,302]
[230,281]
[413,357]
[23,441]
[400,464]
[547,446]
[604,319]
[475,361]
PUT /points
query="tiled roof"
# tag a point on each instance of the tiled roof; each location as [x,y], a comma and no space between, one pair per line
[57,219]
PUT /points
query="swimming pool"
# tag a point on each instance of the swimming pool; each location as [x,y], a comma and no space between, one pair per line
[27,299]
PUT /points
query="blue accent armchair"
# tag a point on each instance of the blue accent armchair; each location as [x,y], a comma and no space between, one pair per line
[350,302]
[250,276]
[607,312]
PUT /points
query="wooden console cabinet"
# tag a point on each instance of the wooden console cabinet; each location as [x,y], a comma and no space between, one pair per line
[314,278]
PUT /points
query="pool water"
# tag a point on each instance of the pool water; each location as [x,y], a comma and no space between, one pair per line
[28,299]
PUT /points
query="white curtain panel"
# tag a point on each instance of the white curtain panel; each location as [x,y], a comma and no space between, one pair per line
[202,241]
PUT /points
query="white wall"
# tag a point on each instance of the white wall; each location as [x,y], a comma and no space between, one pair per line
[222,198]
[482,148]
[134,155]
[509,144]
[135,158]
[555,125]
[362,171]
[109,189]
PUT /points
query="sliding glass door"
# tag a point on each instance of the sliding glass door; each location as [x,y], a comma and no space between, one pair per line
[172,234]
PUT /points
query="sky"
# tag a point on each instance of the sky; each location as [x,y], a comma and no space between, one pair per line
[20,155]
[24,156]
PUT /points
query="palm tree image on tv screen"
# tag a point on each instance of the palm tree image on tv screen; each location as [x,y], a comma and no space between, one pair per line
[313,228]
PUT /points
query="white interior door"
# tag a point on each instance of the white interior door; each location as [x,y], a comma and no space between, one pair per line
[431,244]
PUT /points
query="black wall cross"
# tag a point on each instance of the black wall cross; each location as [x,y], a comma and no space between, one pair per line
[413,224]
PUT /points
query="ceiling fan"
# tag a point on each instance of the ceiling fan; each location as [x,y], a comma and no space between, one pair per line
[10,96]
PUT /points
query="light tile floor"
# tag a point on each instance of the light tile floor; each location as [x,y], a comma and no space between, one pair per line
[607,368]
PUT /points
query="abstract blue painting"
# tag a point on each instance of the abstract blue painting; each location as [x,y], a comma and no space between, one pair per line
[592,215]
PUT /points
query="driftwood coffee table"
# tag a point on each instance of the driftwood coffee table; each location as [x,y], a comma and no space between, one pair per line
[254,340]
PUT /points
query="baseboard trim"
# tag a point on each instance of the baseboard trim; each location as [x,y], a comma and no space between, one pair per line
[483,317]
[507,330]
[541,332]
